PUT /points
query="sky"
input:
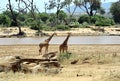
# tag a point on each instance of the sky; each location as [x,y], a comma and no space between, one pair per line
[39,3]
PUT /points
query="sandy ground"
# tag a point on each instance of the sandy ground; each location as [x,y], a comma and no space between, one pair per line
[8,31]
[107,69]
[32,50]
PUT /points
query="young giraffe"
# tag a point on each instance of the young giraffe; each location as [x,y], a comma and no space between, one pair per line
[64,47]
[45,44]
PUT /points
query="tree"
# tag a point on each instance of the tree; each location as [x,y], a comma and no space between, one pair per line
[68,4]
[31,7]
[89,6]
[14,17]
[68,7]
[58,4]
[115,10]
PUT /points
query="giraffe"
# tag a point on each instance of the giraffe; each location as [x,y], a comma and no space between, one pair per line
[64,47]
[45,44]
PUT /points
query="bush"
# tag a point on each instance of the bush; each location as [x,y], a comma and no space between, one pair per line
[74,24]
[34,25]
[95,18]
[98,20]
[48,28]
[64,56]
[5,20]
[85,24]
[73,19]
[62,27]
[44,16]
[84,18]
[104,22]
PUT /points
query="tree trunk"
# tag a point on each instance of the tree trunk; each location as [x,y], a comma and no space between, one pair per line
[15,18]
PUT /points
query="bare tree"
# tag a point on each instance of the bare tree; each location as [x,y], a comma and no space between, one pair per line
[14,17]
[89,6]
[68,7]
[31,7]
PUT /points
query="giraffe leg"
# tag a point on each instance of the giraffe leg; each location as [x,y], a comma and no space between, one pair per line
[46,49]
[63,49]
[40,50]
[60,49]
[66,49]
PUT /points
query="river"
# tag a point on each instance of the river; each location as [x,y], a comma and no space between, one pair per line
[59,40]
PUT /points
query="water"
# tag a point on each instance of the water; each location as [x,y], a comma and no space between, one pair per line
[59,40]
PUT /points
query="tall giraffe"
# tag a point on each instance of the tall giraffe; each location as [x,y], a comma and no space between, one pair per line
[45,44]
[64,47]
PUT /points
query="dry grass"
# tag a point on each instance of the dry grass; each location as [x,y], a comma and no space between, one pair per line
[96,63]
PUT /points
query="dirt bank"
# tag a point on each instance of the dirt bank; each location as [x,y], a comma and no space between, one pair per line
[93,31]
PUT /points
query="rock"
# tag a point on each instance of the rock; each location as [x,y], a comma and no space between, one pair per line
[50,55]
[75,61]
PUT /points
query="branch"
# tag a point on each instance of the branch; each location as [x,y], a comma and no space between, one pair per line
[74,10]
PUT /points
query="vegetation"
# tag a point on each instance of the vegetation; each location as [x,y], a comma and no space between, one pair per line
[62,27]
[29,15]
[115,10]
[89,6]
[5,20]
[64,56]
[98,20]
[104,22]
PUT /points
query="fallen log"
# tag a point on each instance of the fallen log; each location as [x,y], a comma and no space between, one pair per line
[51,64]
[36,60]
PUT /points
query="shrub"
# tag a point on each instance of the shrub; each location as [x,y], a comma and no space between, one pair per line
[85,24]
[64,56]
[95,18]
[44,16]
[62,27]
[73,19]
[33,26]
[104,22]
[98,20]
[48,28]
[36,26]
[5,20]
[74,24]
[84,18]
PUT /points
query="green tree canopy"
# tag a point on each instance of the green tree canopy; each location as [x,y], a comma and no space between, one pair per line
[115,10]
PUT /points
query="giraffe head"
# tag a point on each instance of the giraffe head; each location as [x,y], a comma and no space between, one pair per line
[46,40]
[55,33]
[69,33]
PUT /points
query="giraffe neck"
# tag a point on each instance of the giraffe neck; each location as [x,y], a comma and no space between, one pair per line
[66,40]
[48,40]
